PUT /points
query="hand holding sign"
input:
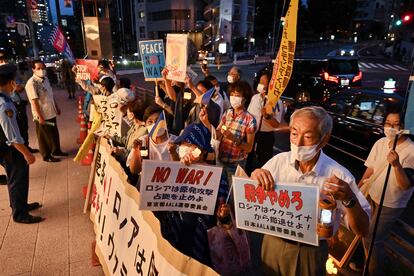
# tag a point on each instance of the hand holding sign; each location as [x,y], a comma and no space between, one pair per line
[264,178]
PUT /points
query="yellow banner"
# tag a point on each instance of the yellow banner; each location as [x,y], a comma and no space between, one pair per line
[282,70]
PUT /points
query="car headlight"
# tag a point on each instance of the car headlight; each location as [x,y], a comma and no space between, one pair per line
[352,52]
[342,52]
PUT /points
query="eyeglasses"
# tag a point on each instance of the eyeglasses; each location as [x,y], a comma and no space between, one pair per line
[392,125]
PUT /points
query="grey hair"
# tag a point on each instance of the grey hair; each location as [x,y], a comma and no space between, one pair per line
[239,72]
[325,120]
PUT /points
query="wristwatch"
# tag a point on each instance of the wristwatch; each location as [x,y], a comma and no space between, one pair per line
[350,203]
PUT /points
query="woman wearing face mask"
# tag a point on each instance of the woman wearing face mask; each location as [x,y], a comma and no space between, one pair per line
[146,147]
[268,119]
[399,188]
[236,130]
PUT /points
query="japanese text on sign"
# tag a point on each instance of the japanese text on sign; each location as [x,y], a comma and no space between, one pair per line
[172,186]
[290,211]
[111,115]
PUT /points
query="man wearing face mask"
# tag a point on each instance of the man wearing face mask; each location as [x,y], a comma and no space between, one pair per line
[310,129]
[233,77]
[268,119]
[15,157]
[399,188]
[44,109]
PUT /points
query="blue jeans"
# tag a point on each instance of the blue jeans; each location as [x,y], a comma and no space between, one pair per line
[386,221]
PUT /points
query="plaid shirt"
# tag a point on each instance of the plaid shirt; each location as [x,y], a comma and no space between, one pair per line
[239,125]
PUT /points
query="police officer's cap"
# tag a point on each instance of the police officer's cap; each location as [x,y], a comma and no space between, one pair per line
[7,69]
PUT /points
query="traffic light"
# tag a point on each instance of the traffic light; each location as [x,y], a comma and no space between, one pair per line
[406,18]
[398,22]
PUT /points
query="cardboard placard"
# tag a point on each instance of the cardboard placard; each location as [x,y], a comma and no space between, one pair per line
[153,60]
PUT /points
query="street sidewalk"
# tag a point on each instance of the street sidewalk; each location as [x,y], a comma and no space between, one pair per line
[61,244]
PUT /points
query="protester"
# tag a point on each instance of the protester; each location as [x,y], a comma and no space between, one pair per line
[220,96]
[44,109]
[267,119]
[234,75]
[198,90]
[399,189]
[310,129]
[15,157]
[68,78]
[236,130]
[105,69]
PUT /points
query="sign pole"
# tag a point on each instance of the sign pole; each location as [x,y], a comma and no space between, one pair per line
[91,176]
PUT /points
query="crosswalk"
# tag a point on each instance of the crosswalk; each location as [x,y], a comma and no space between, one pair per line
[381,66]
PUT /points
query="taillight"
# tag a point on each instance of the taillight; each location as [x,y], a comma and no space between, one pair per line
[357,77]
[327,77]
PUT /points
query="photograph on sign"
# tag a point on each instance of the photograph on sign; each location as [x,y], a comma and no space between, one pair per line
[172,186]
[152,57]
[289,212]
[176,56]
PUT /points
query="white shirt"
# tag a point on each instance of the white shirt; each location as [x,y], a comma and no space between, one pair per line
[38,88]
[283,168]
[394,196]
[255,108]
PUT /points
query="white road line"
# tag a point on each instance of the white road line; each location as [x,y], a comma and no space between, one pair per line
[363,64]
[372,65]
[390,67]
[401,68]
[382,66]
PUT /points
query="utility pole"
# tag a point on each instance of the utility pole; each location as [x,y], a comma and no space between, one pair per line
[31,29]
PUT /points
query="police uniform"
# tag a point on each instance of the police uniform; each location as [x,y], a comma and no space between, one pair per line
[12,160]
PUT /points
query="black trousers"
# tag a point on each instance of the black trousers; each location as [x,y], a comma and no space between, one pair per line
[264,151]
[48,137]
[17,171]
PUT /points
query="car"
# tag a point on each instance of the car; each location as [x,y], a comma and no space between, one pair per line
[358,115]
[345,51]
[316,79]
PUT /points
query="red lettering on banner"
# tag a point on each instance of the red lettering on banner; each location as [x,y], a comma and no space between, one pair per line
[161,174]
[190,177]
[182,172]
[197,177]
[208,178]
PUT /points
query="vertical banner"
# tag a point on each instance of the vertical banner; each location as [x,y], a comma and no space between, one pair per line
[172,186]
[153,60]
[59,42]
[176,60]
[86,69]
[283,66]
[409,112]
[289,212]
[129,241]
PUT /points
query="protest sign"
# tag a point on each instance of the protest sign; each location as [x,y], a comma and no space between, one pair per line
[111,118]
[172,186]
[176,60]
[152,56]
[284,60]
[290,211]
[129,241]
[86,69]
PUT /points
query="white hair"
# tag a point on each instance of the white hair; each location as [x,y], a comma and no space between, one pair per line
[325,120]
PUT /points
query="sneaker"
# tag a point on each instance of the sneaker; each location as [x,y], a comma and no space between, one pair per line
[27,219]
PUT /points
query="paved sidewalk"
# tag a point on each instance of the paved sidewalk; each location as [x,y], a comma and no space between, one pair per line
[61,244]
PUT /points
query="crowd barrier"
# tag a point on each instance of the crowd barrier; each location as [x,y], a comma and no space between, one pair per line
[129,241]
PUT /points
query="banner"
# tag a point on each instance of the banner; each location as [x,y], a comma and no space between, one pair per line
[111,118]
[86,69]
[59,42]
[176,60]
[129,241]
[283,66]
[152,56]
[289,212]
[172,186]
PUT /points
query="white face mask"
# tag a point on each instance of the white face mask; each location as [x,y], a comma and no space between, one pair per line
[40,73]
[183,151]
[230,79]
[236,102]
[303,153]
[390,132]
[260,88]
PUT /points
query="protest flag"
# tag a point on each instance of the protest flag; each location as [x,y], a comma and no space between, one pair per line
[283,67]
[58,40]
[161,123]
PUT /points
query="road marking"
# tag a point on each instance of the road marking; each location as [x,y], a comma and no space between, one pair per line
[373,65]
[382,66]
[390,67]
[363,64]
[401,68]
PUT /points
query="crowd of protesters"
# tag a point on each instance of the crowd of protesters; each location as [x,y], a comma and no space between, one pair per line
[231,126]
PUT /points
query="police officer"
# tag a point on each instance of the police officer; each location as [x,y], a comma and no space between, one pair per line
[15,157]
